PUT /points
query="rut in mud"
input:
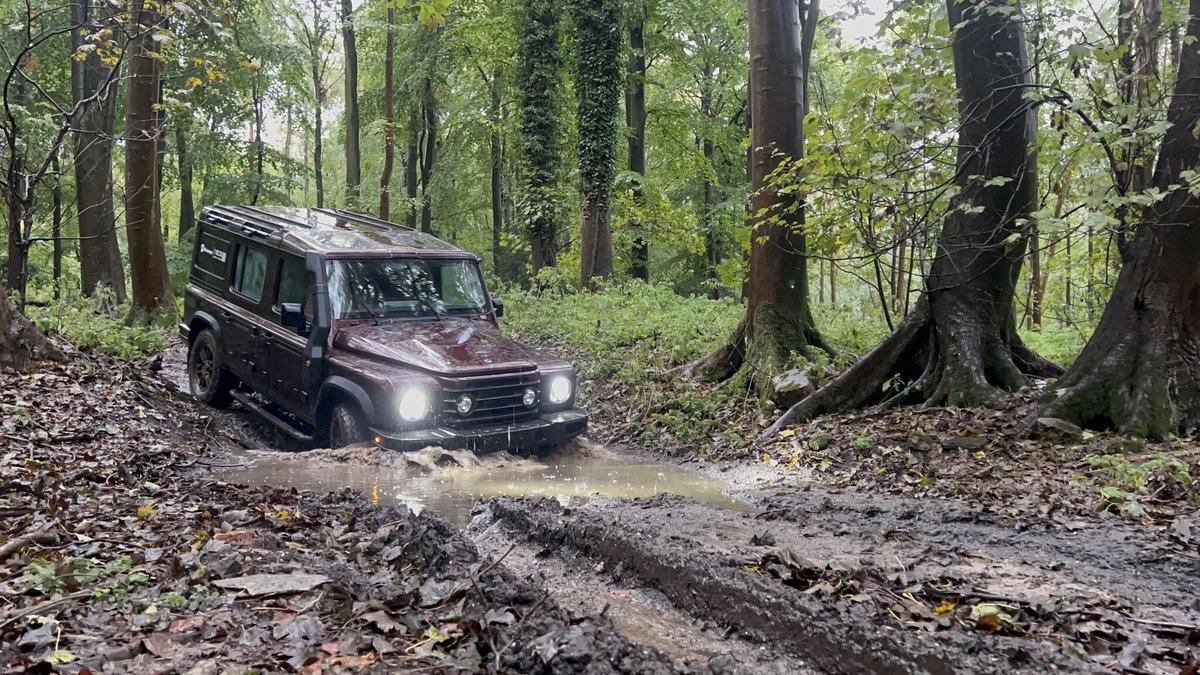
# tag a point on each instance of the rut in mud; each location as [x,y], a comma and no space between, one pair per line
[807,579]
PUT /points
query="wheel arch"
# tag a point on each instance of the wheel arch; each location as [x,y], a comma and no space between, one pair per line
[337,389]
[202,321]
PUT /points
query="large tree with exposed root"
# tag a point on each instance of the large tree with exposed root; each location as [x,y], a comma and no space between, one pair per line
[1140,372]
[960,346]
[778,320]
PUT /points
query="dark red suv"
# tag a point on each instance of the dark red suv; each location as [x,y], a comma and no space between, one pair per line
[340,328]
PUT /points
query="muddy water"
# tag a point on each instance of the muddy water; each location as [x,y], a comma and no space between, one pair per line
[452,490]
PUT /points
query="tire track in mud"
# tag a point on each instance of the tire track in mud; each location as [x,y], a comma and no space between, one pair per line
[694,556]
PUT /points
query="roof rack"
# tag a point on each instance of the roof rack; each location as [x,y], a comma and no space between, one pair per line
[232,219]
[365,219]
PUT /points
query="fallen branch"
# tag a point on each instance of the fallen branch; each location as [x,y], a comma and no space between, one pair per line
[42,607]
[18,544]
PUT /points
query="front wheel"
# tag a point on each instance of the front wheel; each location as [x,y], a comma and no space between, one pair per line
[207,377]
[347,426]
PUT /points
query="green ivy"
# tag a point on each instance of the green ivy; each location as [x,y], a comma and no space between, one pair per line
[599,79]
[539,62]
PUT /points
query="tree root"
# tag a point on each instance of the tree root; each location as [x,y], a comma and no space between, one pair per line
[965,373]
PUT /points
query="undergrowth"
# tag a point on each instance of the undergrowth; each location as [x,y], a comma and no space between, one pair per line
[95,325]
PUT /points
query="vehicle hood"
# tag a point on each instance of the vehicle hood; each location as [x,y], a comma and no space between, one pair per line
[450,346]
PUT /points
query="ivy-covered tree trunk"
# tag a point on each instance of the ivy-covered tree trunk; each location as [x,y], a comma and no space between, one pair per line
[350,48]
[778,321]
[598,84]
[635,119]
[1140,372]
[960,346]
[538,81]
[100,262]
[147,255]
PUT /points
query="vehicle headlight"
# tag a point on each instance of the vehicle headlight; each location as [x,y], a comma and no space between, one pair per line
[414,404]
[560,389]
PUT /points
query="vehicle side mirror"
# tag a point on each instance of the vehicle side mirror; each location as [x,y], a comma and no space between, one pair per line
[292,316]
[498,305]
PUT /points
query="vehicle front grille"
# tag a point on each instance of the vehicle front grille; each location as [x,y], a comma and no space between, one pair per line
[496,400]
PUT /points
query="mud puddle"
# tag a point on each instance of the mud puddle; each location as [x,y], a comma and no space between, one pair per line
[449,484]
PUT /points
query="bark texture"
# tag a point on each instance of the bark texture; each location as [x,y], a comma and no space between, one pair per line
[147,255]
[21,343]
[1140,372]
[99,254]
[350,47]
[635,118]
[778,321]
[410,165]
[959,346]
[389,118]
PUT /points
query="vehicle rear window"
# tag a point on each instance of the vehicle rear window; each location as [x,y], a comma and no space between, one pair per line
[250,272]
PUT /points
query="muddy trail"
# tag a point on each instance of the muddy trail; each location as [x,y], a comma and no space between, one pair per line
[736,567]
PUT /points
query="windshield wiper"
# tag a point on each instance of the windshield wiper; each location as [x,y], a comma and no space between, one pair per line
[430,306]
[374,319]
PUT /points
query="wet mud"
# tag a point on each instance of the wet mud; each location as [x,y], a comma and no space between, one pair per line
[449,483]
[728,567]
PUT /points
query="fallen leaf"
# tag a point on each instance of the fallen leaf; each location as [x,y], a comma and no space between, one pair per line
[270,584]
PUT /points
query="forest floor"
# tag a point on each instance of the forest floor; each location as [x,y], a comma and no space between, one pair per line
[939,541]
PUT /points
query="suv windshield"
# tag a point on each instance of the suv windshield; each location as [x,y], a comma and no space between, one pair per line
[403,287]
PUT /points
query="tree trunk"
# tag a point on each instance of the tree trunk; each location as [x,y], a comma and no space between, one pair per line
[353,171]
[429,156]
[256,100]
[598,92]
[56,224]
[410,166]
[21,343]
[187,206]
[497,159]
[160,158]
[712,242]
[100,262]
[635,118]
[959,346]
[1140,372]
[778,322]
[1035,274]
[389,118]
[147,257]
[538,83]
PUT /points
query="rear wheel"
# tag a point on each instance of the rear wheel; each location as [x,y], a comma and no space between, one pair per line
[207,377]
[347,426]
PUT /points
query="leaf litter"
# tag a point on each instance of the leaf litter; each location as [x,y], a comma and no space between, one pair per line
[117,553]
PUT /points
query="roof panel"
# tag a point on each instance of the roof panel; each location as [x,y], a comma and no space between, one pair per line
[331,230]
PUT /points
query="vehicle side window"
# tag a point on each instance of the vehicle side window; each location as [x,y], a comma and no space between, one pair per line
[295,283]
[250,272]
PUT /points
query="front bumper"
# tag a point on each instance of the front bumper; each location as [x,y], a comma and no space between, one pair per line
[548,431]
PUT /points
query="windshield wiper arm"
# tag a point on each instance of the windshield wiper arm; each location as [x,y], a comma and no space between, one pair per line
[430,306]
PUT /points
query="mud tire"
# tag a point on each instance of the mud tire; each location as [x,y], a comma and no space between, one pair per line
[347,426]
[208,379]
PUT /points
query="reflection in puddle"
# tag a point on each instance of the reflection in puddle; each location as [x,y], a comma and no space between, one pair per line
[451,491]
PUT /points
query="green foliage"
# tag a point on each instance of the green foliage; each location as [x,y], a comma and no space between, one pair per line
[1126,474]
[91,327]
[539,62]
[1059,343]
[599,80]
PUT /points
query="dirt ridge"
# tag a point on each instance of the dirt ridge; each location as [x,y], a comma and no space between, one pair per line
[838,638]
